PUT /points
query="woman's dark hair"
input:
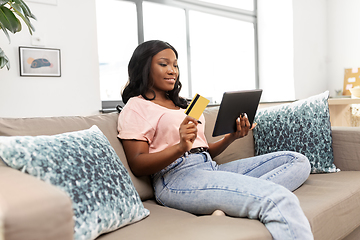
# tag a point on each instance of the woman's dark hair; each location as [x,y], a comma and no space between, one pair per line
[139,70]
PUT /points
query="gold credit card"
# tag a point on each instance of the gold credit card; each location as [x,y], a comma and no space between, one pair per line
[197,106]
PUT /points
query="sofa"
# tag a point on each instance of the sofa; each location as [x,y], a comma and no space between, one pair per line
[33,209]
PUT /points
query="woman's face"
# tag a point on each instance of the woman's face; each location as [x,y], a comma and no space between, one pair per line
[164,71]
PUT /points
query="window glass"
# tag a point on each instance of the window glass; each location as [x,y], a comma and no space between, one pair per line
[168,24]
[222,55]
[117,39]
[241,4]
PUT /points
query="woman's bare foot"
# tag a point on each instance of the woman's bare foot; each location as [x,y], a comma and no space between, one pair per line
[218,213]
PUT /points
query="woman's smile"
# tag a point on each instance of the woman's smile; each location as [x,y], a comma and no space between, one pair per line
[171,80]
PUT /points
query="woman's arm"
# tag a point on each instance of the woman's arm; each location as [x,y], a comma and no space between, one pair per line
[242,126]
[142,163]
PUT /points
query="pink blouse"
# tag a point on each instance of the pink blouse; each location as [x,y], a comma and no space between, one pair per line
[144,120]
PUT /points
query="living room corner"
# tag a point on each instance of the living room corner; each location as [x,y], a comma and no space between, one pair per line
[71,27]
[67,168]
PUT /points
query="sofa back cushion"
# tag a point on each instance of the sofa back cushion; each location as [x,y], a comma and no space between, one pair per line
[241,148]
[56,125]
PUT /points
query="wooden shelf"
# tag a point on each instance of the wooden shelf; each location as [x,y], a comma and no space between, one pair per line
[343,101]
[341,113]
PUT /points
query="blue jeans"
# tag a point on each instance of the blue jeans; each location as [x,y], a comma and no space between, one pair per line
[256,188]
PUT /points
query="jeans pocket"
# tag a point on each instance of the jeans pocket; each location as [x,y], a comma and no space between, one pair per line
[173,165]
[169,173]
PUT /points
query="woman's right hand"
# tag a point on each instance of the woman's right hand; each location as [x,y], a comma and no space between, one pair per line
[143,163]
[188,133]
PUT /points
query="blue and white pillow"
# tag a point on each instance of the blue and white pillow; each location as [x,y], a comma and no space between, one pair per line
[302,126]
[84,165]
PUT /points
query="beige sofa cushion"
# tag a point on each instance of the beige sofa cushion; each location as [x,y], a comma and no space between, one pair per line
[168,223]
[47,214]
[329,202]
[346,141]
[56,125]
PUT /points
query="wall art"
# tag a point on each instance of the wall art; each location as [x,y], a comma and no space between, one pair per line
[39,62]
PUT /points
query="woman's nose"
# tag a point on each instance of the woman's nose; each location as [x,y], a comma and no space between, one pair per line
[172,70]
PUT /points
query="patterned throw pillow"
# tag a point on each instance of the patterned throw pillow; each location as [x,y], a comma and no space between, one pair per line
[302,126]
[84,165]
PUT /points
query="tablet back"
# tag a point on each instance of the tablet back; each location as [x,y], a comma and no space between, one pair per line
[232,105]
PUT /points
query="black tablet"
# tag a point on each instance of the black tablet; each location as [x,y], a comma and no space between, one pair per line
[232,105]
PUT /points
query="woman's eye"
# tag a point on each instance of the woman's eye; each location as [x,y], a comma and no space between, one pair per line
[163,64]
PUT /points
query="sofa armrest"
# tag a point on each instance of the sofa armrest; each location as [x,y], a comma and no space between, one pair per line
[33,209]
[346,147]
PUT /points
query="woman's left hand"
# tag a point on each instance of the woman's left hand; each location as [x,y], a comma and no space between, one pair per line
[242,127]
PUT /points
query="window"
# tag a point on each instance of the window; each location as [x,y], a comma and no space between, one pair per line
[169,29]
[117,39]
[223,58]
[216,41]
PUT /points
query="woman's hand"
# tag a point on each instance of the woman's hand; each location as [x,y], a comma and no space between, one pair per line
[143,163]
[242,127]
[188,133]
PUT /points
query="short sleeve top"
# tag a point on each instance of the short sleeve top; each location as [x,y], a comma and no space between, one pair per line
[144,120]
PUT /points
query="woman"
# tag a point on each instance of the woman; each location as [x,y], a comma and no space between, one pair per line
[161,141]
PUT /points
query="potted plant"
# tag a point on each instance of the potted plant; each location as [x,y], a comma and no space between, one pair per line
[10,13]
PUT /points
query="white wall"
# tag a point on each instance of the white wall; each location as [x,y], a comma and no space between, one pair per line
[71,27]
[276,50]
[326,41]
[343,39]
[310,47]
[293,48]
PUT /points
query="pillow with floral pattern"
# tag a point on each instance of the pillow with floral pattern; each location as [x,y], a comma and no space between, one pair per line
[302,126]
[86,167]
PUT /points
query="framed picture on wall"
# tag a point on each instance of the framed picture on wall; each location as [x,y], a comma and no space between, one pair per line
[39,62]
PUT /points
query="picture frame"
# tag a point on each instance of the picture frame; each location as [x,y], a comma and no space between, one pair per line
[39,62]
